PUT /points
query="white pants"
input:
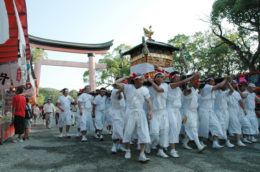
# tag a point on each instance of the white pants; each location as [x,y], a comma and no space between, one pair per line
[64,119]
[136,119]
[159,128]
[108,118]
[223,117]
[245,124]
[191,125]
[118,123]
[175,124]
[208,122]
[214,126]
[48,118]
[234,124]
[204,122]
[99,119]
[86,123]
[253,120]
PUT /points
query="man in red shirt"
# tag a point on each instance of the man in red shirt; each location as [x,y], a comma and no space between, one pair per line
[18,115]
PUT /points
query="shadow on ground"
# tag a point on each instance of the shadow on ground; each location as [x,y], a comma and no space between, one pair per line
[46,152]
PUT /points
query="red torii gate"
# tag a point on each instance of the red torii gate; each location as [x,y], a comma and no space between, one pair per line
[54,45]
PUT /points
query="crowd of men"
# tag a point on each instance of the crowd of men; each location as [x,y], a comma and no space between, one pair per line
[156,113]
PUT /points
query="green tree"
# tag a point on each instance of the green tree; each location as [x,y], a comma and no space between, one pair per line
[244,15]
[73,94]
[207,54]
[115,67]
[38,53]
[45,93]
[41,99]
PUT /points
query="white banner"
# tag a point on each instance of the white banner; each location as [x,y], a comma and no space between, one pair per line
[22,65]
[146,68]
[4,24]
[11,75]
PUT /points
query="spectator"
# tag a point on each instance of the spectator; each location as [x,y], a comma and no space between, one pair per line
[49,111]
[18,114]
[27,121]
[36,112]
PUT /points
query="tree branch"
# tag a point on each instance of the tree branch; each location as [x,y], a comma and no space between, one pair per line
[231,44]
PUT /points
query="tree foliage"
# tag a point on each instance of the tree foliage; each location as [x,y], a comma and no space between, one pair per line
[244,15]
[207,54]
[54,94]
[115,67]
[38,53]
[45,93]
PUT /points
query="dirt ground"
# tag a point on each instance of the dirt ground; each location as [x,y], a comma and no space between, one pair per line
[46,152]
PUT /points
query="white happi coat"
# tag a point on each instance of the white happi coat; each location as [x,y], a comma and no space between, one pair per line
[100,103]
[65,117]
[208,121]
[174,103]
[108,116]
[117,114]
[190,105]
[221,110]
[86,122]
[234,113]
[249,103]
[159,124]
[135,115]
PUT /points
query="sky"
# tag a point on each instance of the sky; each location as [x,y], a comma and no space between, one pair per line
[98,21]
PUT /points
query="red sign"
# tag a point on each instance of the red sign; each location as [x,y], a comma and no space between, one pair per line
[19,75]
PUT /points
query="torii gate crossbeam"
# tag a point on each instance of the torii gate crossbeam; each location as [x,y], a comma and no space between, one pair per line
[71,47]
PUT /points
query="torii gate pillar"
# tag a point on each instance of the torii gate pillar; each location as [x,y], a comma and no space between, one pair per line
[92,76]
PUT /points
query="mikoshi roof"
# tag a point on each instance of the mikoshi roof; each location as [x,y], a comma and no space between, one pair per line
[154,45]
[55,45]
[9,50]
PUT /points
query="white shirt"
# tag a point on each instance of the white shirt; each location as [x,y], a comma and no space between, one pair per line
[174,97]
[191,101]
[221,101]
[159,98]
[233,100]
[117,103]
[36,110]
[207,97]
[65,102]
[86,100]
[136,97]
[100,102]
[48,108]
[249,101]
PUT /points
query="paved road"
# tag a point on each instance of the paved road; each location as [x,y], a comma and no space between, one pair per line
[45,152]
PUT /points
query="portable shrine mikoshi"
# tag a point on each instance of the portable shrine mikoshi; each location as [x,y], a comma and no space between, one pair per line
[146,57]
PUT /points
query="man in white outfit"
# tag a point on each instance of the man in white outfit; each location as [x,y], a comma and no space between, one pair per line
[118,115]
[208,121]
[247,122]
[49,110]
[63,103]
[135,116]
[85,108]
[190,114]
[249,102]
[99,105]
[221,110]
[235,105]
[159,124]
[174,103]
